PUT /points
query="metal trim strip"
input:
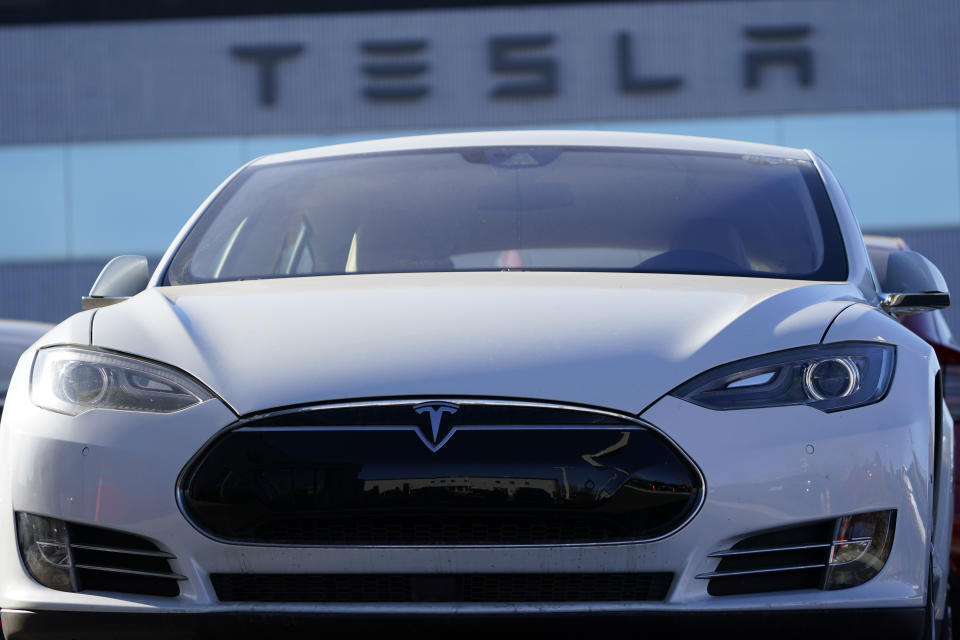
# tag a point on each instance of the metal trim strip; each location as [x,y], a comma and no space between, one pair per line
[133,572]
[131,552]
[749,552]
[751,572]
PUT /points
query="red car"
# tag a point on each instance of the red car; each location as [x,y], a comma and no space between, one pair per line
[933,328]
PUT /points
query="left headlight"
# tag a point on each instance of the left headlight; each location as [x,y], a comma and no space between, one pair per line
[72,380]
[829,377]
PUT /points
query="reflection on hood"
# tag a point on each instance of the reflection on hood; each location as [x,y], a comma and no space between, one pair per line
[616,340]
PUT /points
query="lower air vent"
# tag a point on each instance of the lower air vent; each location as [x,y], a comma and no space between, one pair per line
[77,557]
[474,587]
[109,560]
[832,554]
[777,561]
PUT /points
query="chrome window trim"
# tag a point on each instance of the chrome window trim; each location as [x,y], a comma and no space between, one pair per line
[636,424]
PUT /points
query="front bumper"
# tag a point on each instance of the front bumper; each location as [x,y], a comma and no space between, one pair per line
[903,623]
[764,469]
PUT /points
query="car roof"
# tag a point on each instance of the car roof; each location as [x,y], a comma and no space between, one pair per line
[612,139]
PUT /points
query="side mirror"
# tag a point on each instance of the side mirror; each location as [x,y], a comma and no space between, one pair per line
[913,285]
[122,277]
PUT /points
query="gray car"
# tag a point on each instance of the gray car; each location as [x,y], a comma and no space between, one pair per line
[15,337]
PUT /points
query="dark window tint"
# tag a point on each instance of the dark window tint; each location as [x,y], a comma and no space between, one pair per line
[530,208]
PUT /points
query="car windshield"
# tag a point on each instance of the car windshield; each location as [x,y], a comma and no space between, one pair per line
[518,208]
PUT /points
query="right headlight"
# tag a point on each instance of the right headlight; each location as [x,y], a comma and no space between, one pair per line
[828,377]
[72,380]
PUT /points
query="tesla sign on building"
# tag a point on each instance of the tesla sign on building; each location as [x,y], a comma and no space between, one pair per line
[472,68]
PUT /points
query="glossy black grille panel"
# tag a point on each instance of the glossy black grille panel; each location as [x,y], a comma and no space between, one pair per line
[505,474]
[446,529]
[476,587]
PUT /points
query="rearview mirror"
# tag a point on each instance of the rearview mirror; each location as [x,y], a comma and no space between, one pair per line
[122,277]
[913,285]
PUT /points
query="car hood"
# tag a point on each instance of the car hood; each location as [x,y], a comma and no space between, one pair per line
[616,340]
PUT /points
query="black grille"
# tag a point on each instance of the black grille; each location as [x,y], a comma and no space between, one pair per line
[110,560]
[781,560]
[505,474]
[447,530]
[473,587]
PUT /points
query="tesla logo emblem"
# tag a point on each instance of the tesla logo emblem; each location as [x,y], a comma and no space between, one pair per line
[436,438]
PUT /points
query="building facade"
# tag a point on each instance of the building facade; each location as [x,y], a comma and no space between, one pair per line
[111,133]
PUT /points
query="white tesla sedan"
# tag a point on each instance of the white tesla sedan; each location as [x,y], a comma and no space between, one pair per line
[521,374]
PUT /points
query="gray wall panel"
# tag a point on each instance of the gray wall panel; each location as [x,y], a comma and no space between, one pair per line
[46,291]
[178,78]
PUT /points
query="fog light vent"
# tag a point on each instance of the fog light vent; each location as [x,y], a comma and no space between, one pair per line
[861,546]
[833,554]
[75,557]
